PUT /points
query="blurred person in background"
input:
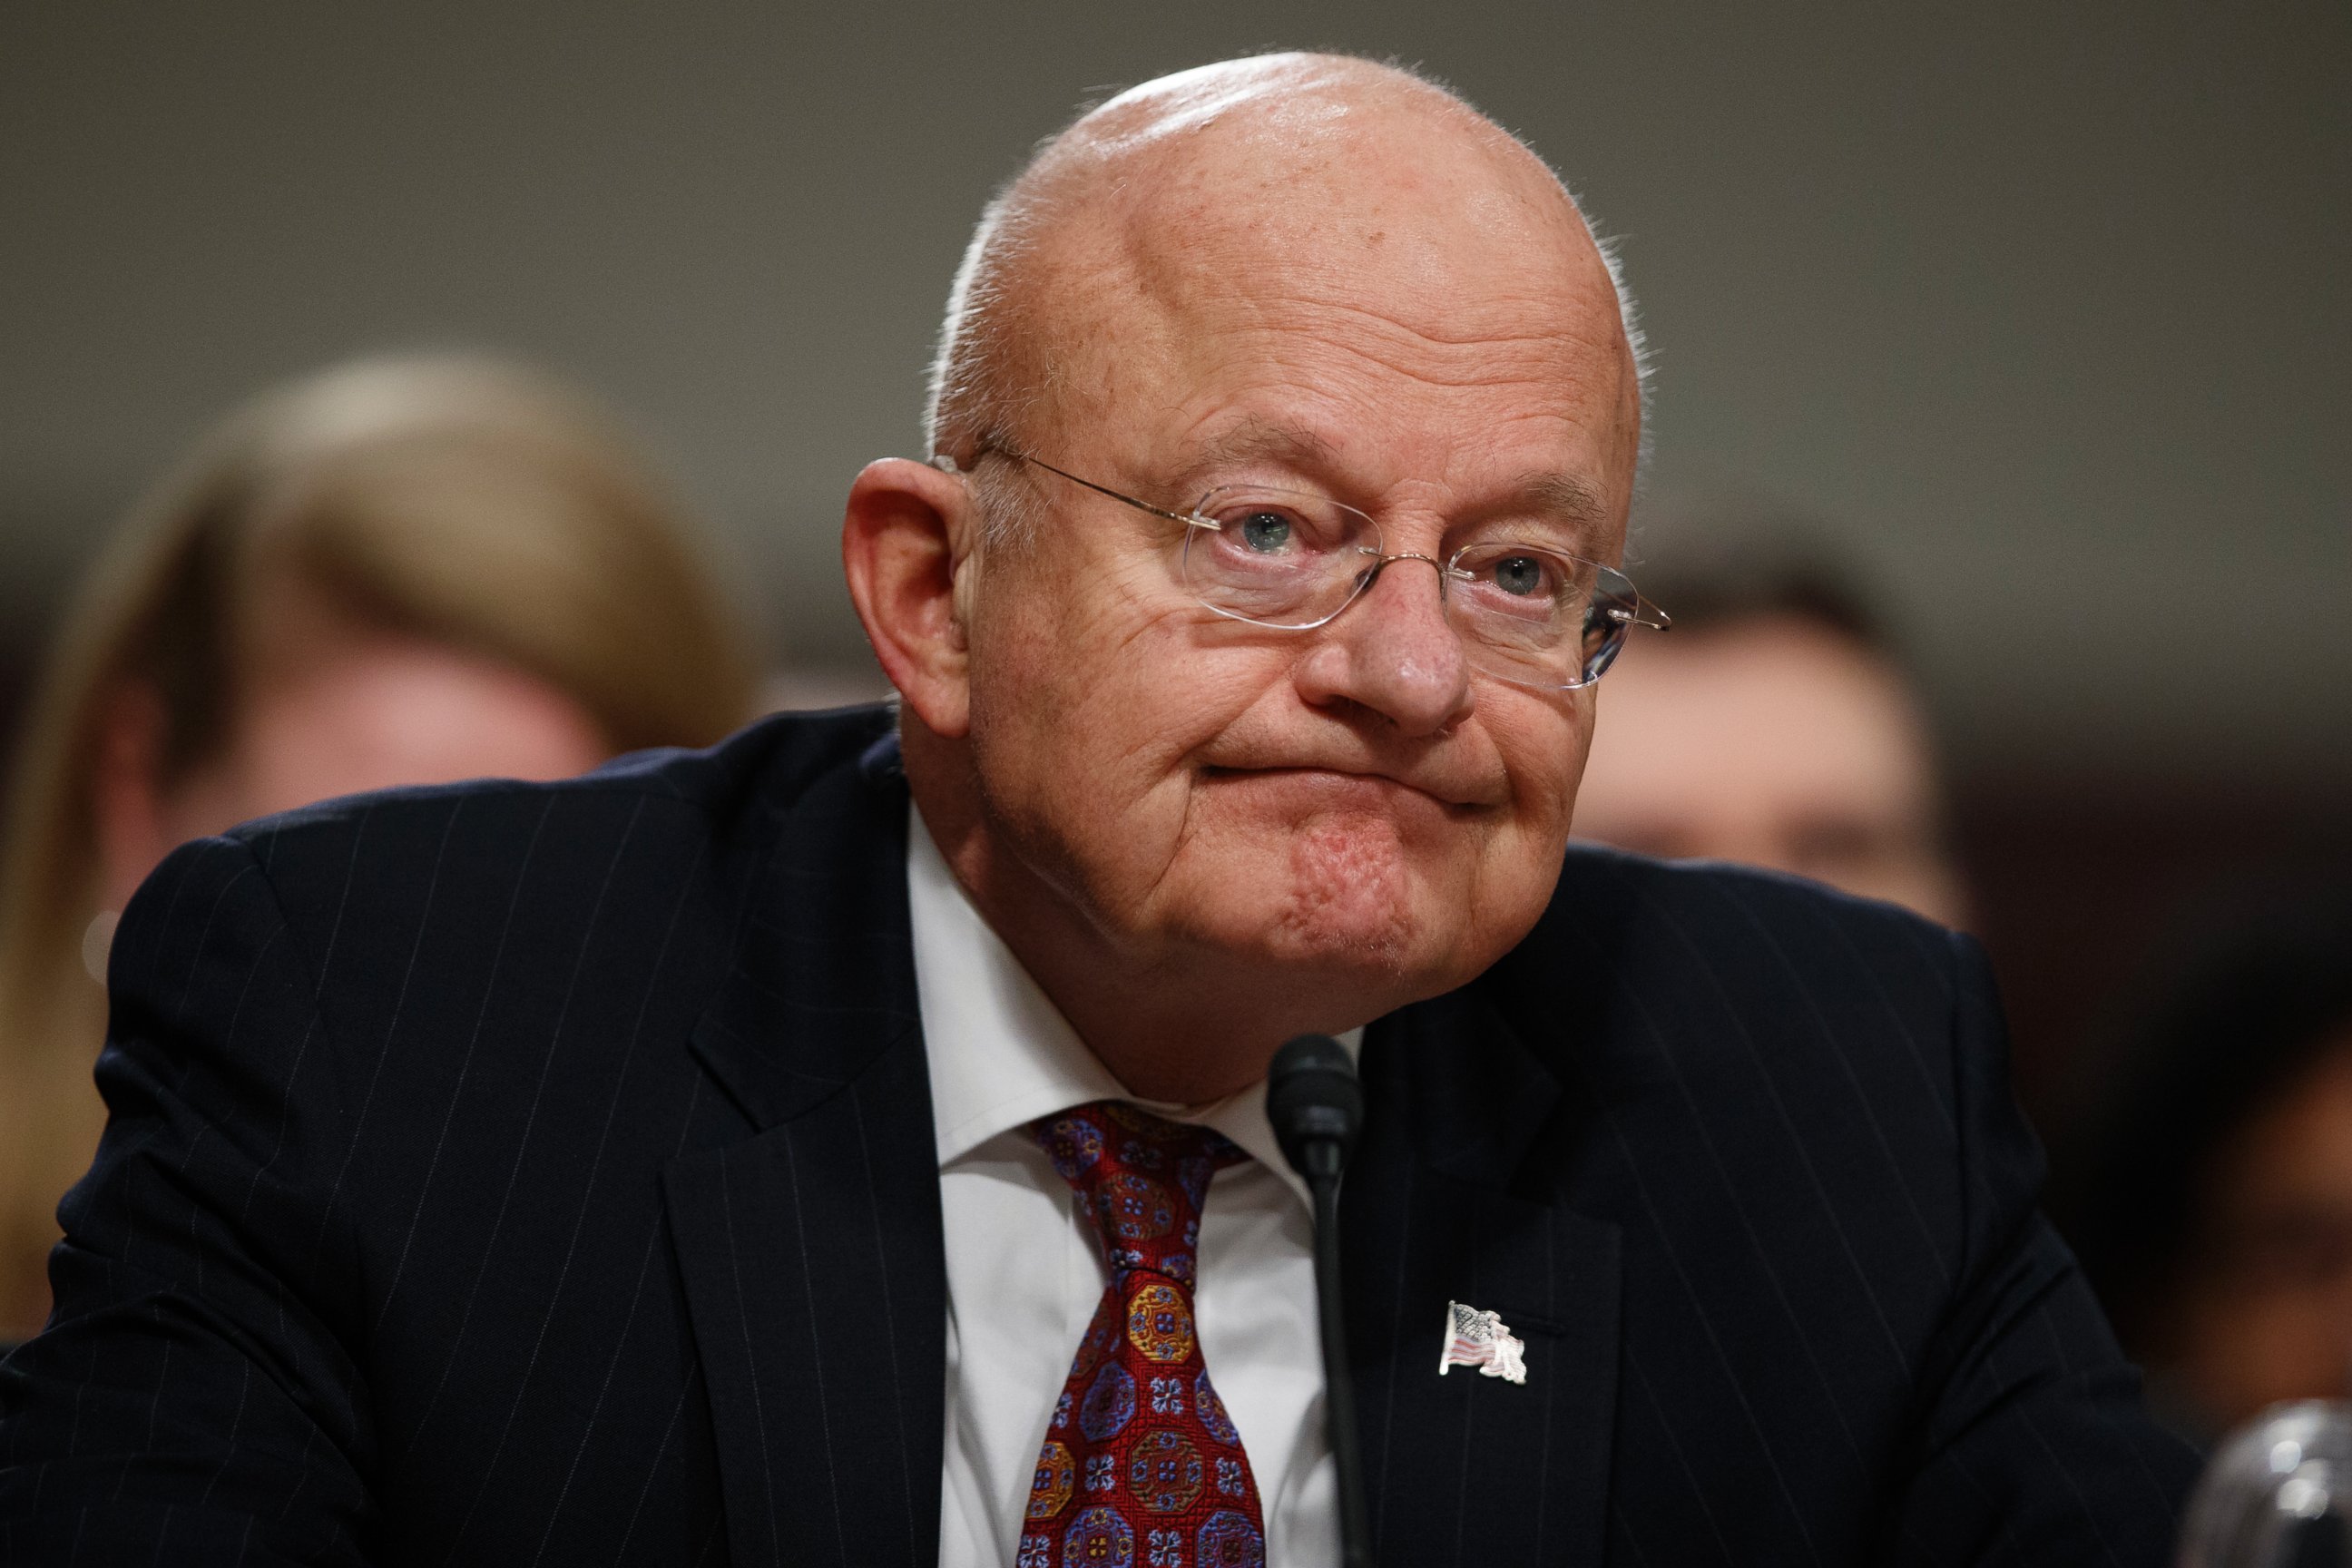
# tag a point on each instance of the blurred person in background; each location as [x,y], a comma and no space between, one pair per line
[1776,727]
[2208,1188]
[405,570]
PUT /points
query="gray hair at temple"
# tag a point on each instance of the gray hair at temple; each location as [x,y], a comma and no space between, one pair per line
[977,392]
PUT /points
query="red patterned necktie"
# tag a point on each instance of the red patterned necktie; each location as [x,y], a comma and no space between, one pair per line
[1141,1467]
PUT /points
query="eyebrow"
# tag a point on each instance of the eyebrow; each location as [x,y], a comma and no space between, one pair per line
[1257,441]
[1570,498]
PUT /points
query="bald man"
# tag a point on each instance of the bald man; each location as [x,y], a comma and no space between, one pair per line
[846,1146]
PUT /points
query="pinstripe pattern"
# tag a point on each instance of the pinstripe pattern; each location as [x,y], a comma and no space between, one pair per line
[534,1175]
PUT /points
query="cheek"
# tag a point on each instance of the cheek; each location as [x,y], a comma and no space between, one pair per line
[1543,741]
[1051,649]
[1084,722]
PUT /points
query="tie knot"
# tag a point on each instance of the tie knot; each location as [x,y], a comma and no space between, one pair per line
[1140,1178]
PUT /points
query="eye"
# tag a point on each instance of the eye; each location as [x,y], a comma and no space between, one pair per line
[1266,532]
[1521,574]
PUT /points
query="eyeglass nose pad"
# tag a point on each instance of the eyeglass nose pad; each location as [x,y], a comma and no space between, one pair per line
[1382,563]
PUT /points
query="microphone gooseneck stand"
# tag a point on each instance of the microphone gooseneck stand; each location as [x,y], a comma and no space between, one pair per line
[1316,1108]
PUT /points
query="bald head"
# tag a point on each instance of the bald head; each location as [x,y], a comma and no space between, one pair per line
[1323,179]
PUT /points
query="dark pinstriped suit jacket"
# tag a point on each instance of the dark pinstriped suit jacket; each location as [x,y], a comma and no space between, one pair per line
[544,1175]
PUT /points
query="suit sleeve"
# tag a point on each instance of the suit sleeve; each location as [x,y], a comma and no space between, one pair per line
[2032,1445]
[196,1396]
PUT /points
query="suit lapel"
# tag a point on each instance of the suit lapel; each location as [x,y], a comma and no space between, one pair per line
[1465,1469]
[810,1252]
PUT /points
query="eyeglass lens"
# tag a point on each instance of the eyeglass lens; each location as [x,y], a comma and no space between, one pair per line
[1527,612]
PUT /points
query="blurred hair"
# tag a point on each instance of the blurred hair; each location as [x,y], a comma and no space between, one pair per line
[462,500]
[983,386]
[1770,573]
[2249,1014]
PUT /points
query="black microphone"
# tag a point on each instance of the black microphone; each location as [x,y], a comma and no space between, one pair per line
[1316,1108]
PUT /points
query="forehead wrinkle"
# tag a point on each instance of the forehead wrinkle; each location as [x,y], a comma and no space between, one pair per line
[1569,496]
[1251,440]
[1299,431]
[1255,438]
[1422,314]
[1500,326]
[1390,220]
[1180,300]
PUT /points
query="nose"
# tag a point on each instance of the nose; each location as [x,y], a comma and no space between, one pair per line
[1393,653]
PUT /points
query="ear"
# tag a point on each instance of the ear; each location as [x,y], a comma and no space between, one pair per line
[906,541]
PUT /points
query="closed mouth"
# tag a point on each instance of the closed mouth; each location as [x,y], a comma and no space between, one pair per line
[1340,780]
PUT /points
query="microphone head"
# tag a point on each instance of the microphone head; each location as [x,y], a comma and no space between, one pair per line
[1315,1104]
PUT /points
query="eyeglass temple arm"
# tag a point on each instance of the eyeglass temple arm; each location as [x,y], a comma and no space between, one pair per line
[1189,519]
[1644,614]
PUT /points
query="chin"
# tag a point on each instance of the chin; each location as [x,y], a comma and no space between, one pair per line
[1334,901]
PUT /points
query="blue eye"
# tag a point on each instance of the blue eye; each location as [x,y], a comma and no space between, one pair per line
[1265,532]
[1520,574]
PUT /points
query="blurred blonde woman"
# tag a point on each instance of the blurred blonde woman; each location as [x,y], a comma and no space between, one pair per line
[402,570]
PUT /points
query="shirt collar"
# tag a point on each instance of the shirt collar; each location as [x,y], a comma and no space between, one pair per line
[1001,1053]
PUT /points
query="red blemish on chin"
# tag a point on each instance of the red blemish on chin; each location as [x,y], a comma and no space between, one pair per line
[1348,890]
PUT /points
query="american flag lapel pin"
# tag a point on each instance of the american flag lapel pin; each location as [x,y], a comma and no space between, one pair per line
[1478,1339]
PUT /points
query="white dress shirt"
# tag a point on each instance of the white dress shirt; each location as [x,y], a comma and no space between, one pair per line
[1026,1271]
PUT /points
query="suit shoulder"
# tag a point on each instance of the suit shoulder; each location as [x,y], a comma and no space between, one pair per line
[1674,960]
[1715,1014]
[1696,899]
[757,772]
[644,817]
